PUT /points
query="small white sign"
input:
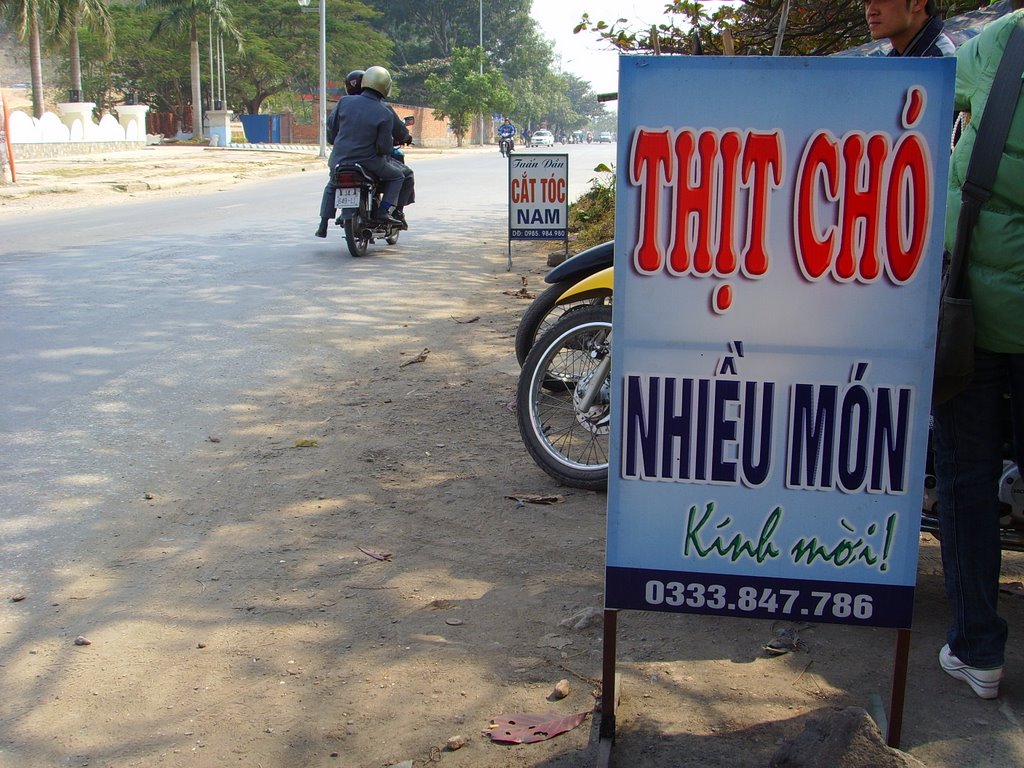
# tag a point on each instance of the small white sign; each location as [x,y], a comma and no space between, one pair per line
[538,207]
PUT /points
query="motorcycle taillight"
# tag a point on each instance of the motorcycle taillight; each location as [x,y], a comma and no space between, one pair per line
[348,179]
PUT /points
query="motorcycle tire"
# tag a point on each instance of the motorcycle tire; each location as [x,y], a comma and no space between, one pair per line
[355,236]
[392,236]
[569,445]
[543,312]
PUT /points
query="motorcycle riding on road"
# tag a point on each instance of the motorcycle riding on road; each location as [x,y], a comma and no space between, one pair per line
[358,197]
[368,188]
[506,138]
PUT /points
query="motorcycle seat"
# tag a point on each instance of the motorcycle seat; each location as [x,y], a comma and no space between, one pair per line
[353,175]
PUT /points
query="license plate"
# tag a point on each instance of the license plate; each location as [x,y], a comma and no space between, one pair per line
[346,197]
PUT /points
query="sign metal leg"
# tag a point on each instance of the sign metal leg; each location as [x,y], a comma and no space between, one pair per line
[899,688]
[609,690]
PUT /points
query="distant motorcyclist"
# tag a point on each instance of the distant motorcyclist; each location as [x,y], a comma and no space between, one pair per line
[364,129]
[507,129]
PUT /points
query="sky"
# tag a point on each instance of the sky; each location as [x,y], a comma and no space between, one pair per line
[585,54]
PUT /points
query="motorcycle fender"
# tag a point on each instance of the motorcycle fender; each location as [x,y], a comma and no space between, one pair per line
[583,263]
[597,284]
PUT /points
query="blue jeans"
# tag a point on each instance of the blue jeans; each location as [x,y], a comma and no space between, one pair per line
[970,432]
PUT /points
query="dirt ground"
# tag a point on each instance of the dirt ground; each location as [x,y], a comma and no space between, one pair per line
[294,615]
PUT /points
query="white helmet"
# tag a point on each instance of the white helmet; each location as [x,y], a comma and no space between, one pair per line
[379,79]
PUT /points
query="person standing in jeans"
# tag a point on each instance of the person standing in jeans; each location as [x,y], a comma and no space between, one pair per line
[969,429]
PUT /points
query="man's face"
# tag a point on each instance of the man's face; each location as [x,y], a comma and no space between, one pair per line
[898,20]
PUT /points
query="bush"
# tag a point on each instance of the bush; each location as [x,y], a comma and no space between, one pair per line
[592,215]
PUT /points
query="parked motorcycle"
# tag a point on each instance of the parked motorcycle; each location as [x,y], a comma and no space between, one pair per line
[563,397]
[547,309]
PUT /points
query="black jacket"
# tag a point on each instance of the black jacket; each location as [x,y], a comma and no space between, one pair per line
[929,41]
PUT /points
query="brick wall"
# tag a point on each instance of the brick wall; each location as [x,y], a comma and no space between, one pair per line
[427,131]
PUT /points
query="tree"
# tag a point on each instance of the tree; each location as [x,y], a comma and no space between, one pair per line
[187,15]
[813,27]
[71,15]
[282,51]
[426,32]
[465,93]
[156,71]
[26,16]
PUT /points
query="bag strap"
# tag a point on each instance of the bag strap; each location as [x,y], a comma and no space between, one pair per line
[995,120]
[988,149]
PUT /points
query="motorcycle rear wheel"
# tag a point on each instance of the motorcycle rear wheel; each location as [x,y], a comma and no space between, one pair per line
[543,312]
[392,236]
[355,229]
[569,444]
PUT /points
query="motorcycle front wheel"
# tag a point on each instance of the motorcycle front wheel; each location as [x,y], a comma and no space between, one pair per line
[392,236]
[567,366]
[543,312]
[357,235]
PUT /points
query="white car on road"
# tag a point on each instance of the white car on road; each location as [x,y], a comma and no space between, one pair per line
[542,138]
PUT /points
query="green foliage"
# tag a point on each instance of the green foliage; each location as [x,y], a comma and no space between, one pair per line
[282,51]
[813,27]
[592,214]
[156,71]
[466,93]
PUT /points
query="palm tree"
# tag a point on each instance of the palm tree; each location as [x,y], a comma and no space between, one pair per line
[187,14]
[71,14]
[26,16]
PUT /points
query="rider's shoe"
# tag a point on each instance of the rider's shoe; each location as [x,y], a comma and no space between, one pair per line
[388,220]
[400,216]
[321,231]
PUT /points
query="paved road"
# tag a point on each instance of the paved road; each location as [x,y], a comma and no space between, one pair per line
[128,332]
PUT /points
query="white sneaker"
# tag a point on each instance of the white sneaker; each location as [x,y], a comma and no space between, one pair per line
[984,682]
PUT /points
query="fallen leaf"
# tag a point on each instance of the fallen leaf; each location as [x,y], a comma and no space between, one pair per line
[306,444]
[522,293]
[527,729]
[465,322]
[418,359]
[530,498]
[375,554]
[18,598]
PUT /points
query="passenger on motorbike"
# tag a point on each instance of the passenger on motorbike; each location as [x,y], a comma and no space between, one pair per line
[365,130]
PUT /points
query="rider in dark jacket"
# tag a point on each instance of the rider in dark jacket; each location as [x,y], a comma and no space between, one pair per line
[364,129]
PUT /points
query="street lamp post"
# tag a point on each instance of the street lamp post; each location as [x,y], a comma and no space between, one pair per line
[481,65]
[322,10]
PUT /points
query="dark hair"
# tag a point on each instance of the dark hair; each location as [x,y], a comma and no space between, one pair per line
[931,9]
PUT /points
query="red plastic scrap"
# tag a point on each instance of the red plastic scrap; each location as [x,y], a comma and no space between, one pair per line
[526,729]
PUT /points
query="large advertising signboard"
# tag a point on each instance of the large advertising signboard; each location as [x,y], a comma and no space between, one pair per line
[778,248]
[538,195]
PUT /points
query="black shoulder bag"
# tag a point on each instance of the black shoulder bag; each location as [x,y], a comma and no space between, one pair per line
[954,344]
